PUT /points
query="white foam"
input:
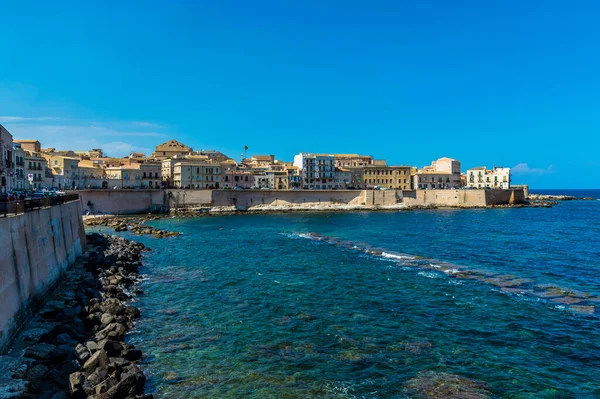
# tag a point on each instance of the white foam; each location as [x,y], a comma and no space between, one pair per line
[451,271]
[429,274]
[394,256]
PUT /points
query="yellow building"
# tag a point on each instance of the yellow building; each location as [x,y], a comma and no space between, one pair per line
[392,177]
[196,173]
[65,169]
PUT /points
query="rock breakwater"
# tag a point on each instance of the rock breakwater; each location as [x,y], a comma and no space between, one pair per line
[75,346]
[135,225]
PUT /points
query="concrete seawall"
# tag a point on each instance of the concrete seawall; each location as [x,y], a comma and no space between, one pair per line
[143,201]
[35,249]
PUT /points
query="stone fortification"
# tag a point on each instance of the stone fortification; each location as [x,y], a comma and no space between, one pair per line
[144,201]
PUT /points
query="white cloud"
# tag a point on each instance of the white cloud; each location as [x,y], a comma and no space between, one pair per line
[524,169]
[146,124]
[13,119]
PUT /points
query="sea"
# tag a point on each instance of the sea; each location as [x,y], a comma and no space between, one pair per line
[446,303]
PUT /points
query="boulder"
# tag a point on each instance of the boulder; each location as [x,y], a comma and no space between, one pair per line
[97,376]
[37,372]
[132,354]
[92,346]
[76,381]
[98,360]
[106,319]
[63,338]
[82,353]
[112,348]
[39,351]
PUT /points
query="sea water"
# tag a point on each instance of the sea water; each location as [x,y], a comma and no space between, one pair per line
[372,304]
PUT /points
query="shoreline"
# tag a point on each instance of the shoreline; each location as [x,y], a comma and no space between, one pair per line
[274,209]
[75,345]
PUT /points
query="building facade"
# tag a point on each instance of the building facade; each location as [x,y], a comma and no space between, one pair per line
[318,170]
[385,176]
[480,177]
[196,174]
[6,160]
[443,173]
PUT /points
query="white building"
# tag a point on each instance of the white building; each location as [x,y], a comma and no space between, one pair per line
[318,170]
[480,177]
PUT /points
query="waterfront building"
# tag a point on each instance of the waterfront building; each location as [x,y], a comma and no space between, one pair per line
[386,176]
[151,174]
[294,176]
[317,170]
[171,149]
[355,164]
[6,160]
[480,177]
[443,173]
[91,174]
[64,166]
[19,178]
[342,178]
[196,173]
[234,177]
[37,165]
[123,176]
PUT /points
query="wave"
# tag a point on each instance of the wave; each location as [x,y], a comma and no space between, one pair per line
[395,256]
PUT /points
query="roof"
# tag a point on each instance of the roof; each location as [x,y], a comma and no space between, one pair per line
[173,145]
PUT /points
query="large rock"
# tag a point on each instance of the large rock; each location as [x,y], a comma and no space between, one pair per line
[112,348]
[106,319]
[82,353]
[132,354]
[98,360]
[76,381]
[39,351]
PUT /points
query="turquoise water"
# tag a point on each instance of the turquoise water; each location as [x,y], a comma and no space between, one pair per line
[354,305]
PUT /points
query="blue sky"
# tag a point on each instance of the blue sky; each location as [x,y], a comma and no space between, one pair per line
[505,83]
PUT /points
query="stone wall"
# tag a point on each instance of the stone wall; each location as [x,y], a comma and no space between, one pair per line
[463,198]
[503,197]
[143,201]
[35,249]
[123,201]
[246,198]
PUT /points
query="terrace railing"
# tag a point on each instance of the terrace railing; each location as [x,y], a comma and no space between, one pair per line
[8,208]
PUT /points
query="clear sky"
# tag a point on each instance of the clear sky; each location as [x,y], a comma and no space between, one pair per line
[494,83]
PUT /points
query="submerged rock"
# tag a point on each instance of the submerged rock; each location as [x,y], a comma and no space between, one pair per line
[438,385]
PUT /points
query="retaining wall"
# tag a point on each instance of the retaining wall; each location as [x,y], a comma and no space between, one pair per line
[463,198]
[35,249]
[123,201]
[143,201]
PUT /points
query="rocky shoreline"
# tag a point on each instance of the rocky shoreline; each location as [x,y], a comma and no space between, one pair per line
[74,347]
[547,197]
[136,225]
